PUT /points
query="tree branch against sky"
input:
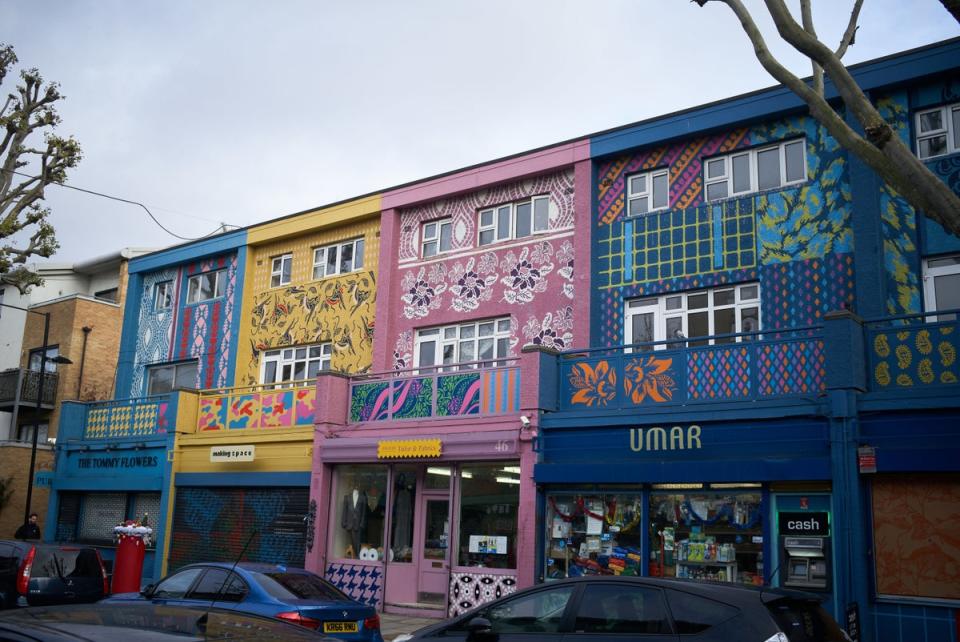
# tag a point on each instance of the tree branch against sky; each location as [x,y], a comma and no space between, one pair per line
[879,147]
[26,168]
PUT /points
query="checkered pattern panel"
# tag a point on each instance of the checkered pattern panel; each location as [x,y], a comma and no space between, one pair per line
[144,419]
[363,583]
[469,590]
[799,293]
[97,421]
[120,421]
[791,367]
[719,373]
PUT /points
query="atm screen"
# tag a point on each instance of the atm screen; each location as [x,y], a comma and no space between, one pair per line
[798,568]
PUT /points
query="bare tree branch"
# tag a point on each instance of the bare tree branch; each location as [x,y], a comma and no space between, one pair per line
[851,32]
[807,16]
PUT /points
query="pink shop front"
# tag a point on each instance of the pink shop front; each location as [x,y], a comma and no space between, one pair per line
[430,524]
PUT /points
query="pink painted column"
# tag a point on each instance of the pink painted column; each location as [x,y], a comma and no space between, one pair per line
[583,235]
[332,413]
[388,286]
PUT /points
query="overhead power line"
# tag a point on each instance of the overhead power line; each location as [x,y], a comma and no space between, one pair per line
[223,226]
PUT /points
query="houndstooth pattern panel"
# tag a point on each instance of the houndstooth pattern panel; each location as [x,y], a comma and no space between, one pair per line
[362,582]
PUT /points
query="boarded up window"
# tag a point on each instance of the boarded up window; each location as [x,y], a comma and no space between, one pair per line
[915,520]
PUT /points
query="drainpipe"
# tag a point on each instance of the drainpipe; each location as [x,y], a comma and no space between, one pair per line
[83,358]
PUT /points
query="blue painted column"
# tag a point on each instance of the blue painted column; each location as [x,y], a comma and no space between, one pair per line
[846,379]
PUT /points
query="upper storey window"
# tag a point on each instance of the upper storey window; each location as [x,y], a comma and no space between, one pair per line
[941,284]
[163,296]
[206,286]
[938,131]
[514,220]
[436,237]
[280,269]
[463,343]
[648,192]
[338,258]
[755,170]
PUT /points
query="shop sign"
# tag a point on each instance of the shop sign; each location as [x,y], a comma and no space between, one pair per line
[43,479]
[230,454]
[408,448]
[118,461]
[658,438]
[804,524]
[867,459]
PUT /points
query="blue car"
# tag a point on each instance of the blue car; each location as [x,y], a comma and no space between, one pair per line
[289,594]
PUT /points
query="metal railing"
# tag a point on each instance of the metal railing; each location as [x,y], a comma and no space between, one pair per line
[29,381]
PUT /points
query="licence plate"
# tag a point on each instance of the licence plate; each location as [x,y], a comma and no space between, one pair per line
[340,627]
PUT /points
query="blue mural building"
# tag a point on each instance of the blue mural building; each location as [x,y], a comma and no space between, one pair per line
[114,458]
[771,396]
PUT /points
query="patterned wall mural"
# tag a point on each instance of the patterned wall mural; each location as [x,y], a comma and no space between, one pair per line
[531,280]
[338,309]
[361,582]
[469,590]
[779,238]
[201,331]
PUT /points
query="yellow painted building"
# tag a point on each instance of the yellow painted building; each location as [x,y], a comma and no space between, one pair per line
[241,468]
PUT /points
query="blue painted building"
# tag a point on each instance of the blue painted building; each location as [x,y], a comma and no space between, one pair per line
[179,334]
[768,399]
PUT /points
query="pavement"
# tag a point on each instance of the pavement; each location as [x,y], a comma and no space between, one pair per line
[392,625]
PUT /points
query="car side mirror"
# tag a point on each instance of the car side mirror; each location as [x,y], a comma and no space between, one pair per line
[479,629]
[148,590]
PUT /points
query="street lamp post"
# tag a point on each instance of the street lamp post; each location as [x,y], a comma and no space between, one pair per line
[38,408]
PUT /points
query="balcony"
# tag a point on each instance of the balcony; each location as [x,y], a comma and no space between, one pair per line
[28,382]
[141,418]
[746,367]
[263,407]
[913,353]
[472,389]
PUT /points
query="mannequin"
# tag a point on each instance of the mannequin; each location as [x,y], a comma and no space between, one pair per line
[353,518]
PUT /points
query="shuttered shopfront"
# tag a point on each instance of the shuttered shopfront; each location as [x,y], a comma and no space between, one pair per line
[212,524]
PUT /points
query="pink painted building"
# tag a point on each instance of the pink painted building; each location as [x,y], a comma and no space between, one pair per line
[423,469]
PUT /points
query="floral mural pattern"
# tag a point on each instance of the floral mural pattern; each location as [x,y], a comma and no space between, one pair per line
[593,384]
[649,378]
[554,330]
[422,293]
[526,275]
[472,283]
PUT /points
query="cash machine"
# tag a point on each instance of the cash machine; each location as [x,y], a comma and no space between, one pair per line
[805,550]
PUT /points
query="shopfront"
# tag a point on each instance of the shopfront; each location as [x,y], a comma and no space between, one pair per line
[720,501]
[428,524]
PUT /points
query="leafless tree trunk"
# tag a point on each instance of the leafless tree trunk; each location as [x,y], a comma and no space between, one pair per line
[880,147]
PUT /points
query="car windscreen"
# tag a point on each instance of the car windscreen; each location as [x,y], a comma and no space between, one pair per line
[805,621]
[64,562]
[298,586]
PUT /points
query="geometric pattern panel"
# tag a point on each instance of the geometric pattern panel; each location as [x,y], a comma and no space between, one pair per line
[914,357]
[360,582]
[470,590]
[245,408]
[797,294]
[718,373]
[115,419]
[500,391]
[791,367]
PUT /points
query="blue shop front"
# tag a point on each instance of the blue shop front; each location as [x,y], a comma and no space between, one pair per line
[745,501]
[112,465]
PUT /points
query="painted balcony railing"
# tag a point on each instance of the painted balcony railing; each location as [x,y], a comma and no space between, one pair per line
[475,389]
[913,352]
[119,418]
[287,405]
[739,367]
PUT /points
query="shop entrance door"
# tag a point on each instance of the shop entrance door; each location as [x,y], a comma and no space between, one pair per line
[432,548]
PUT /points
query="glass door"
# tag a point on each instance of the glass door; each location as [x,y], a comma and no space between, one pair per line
[433,550]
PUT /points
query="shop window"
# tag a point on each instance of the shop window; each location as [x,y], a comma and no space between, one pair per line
[360,508]
[436,237]
[583,531]
[206,286]
[338,258]
[648,192]
[464,343]
[941,285]
[514,220]
[281,268]
[685,315]
[755,170]
[163,296]
[614,608]
[938,131]
[489,499]
[295,364]
[170,377]
[404,513]
[707,536]
[915,521]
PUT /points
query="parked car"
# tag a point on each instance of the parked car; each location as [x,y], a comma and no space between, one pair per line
[143,622]
[289,594]
[595,608]
[50,574]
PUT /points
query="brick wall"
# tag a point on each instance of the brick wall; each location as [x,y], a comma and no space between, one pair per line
[15,463]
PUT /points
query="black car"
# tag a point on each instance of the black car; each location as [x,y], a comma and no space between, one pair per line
[598,608]
[142,623]
[50,574]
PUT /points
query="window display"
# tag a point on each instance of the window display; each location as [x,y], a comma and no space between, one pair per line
[404,493]
[709,536]
[489,498]
[594,534]
[361,504]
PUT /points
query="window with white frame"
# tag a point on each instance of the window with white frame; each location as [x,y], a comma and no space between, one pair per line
[463,343]
[648,192]
[938,131]
[338,258]
[281,268]
[171,376]
[514,220]
[686,315]
[294,364]
[941,285]
[436,237]
[206,286]
[163,296]
[755,170]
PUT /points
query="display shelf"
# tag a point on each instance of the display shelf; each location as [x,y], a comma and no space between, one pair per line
[730,568]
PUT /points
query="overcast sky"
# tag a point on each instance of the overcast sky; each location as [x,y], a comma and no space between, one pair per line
[232,111]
